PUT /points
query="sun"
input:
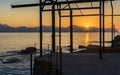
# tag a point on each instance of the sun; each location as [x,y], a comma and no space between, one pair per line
[87,26]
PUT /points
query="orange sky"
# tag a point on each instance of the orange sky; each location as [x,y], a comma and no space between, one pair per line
[30,17]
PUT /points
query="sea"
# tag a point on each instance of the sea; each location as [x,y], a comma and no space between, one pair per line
[12,42]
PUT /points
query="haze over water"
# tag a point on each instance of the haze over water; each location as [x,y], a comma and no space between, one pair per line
[18,41]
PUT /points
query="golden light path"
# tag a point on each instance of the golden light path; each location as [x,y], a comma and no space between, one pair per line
[87,39]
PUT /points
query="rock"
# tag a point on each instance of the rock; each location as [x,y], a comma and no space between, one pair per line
[28,50]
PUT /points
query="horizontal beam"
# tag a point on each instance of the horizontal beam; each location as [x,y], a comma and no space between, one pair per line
[55,3]
[113,15]
[81,15]
[85,8]
[89,15]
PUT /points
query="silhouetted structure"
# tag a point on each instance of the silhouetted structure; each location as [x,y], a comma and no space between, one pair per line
[56,6]
[66,5]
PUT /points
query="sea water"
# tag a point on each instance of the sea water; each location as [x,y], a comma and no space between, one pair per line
[17,68]
[18,41]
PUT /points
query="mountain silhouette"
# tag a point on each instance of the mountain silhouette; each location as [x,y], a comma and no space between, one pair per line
[8,28]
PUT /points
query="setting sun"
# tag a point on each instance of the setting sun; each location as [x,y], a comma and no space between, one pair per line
[87,26]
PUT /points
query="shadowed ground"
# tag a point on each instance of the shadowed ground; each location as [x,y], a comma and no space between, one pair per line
[90,64]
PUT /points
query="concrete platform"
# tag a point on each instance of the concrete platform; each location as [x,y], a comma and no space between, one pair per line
[89,64]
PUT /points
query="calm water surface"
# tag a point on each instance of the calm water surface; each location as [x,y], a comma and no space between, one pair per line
[18,41]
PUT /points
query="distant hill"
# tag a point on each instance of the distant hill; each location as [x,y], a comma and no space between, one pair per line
[7,28]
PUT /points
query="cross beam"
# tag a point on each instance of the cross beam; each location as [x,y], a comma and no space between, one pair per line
[84,8]
[55,3]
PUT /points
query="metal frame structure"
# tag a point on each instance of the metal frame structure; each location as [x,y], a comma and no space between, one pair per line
[57,6]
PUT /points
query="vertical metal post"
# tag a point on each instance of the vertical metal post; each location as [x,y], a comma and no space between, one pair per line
[53,28]
[50,72]
[71,32]
[60,52]
[59,27]
[57,62]
[30,64]
[48,59]
[112,18]
[40,29]
[48,54]
[114,32]
[103,25]
[100,18]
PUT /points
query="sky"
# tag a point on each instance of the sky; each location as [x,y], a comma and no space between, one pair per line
[18,17]
[30,16]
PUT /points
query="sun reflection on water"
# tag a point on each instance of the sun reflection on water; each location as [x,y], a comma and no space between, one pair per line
[87,39]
